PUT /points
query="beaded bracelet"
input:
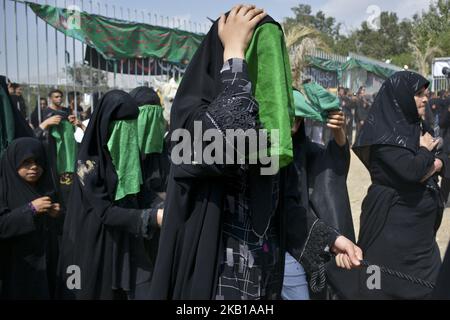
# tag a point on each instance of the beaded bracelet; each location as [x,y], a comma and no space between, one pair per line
[32,208]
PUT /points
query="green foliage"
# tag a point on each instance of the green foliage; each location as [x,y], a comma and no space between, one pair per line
[413,42]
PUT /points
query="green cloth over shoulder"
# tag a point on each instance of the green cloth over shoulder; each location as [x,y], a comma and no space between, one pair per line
[314,102]
[151,129]
[123,146]
[270,73]
[66,147]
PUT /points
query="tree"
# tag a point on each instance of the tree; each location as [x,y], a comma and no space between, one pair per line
[431,35]
[424,55]
[414,42]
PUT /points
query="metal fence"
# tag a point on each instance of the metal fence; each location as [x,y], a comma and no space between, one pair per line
[41,58]
[440,83]
[326,79]
[351,79]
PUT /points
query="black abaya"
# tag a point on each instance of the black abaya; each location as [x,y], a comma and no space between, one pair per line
[12,123]
[400,214]
[28,242]
[105,238]
[442,290]
[407,215]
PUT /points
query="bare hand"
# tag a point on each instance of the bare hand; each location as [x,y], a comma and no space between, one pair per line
[348,255]
[236,30]
[427,141]
[336,122]
[52,121]
[55,210]
[42,205]
[76,122]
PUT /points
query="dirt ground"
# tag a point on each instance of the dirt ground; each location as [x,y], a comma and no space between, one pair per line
[358,183]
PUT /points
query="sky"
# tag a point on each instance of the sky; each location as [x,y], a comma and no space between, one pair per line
[349,12]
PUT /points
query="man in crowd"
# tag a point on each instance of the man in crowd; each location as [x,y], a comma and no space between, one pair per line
[18,100]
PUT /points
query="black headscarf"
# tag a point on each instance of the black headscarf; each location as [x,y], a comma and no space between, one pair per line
[114,105]
[86,241]
[145,96]
[28,257]
[19,126]
[188,256]
[15,191]
[393,118]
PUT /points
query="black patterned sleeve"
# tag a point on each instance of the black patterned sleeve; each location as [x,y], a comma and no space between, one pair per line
[234,108]
[317,249]
[316,253]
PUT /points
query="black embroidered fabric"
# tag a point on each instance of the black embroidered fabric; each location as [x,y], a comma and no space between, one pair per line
[316,252]
[234,108]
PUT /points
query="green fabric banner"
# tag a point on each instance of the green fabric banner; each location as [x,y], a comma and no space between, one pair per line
[270,73]
[326,65]
[339,68]
[375,69]
[123,146]
[66,147]
[118,39]
[151,129]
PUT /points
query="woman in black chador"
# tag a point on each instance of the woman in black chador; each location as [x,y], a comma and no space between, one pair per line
[227,227]
[105,233]
[12,123]
[151,130]
[29,223]
[403,208]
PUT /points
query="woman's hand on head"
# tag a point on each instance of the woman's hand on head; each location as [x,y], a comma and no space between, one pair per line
[236,30]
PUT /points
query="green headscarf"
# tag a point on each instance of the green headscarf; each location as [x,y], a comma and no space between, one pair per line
[66,146]
[123,146]
[314,102]
[151,129]
[270,73]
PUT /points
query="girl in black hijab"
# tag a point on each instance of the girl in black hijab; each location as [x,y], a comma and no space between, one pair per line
[104,231]
[403,208]
[28,223]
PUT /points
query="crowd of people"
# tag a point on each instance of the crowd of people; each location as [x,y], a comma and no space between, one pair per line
[94,205]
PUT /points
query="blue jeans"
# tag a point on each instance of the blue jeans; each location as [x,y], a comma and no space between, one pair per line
[295,285]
